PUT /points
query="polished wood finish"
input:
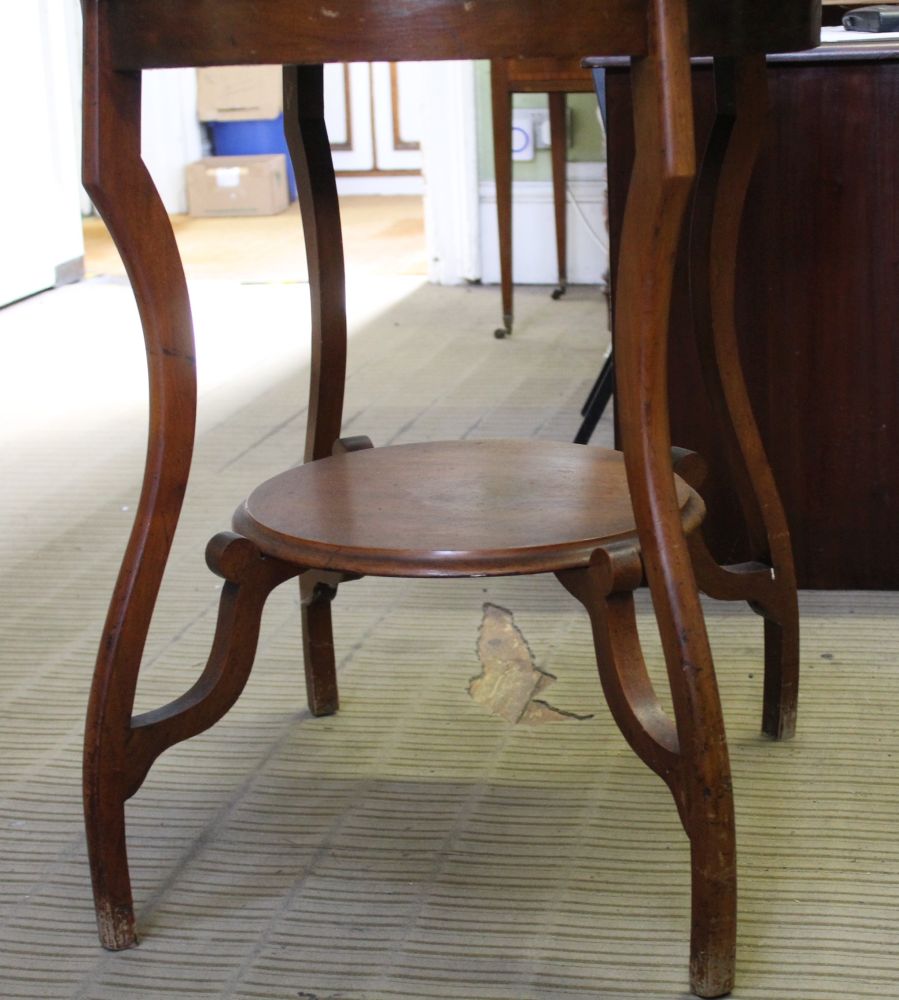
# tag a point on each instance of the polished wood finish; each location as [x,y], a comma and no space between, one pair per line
[120,186]
[663,173]
[816,307]
[448,508]
[764,575]
[310,153]
[146,34]
[718,204]
[543,76]
[556,78]
[469,507]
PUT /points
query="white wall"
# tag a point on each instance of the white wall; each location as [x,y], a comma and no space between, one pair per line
[460,213]
[39,168]
[170,132]
[450,169]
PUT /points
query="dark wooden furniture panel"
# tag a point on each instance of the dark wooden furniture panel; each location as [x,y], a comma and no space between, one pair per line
[818,312]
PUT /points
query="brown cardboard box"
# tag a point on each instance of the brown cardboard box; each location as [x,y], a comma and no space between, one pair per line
[238,185]
[238,93]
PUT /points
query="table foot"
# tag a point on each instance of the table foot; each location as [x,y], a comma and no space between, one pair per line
[316,595]
[506,329]
[737,134]
[122,750]
[695,770]
[768,593]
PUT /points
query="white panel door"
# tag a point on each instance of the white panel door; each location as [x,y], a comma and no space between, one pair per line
[348,116]
[374,116]
[397,100]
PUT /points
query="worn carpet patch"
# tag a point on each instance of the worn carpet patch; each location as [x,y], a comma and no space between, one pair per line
[510,681]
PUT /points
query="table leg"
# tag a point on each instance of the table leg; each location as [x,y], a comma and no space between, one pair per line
[663,174]
[741,114]
[121,188]
[558,132]
[310,152]
[502,165]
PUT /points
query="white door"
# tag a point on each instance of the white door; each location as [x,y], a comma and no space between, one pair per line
[373,113]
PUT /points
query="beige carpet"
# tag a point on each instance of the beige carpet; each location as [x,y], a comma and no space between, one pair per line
[417,846]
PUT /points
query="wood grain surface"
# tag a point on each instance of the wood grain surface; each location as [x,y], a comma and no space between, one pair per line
[472,508]
[448,508]
[158,33]
[817,300]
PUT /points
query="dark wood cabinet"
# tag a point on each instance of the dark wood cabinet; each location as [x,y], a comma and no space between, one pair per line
[817,309]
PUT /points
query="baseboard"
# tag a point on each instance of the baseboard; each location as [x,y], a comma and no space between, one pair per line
[381,184]
[533,229]
[69,272]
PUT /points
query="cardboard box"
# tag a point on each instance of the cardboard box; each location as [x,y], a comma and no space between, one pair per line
[238,93]
[238,185]
[251,138]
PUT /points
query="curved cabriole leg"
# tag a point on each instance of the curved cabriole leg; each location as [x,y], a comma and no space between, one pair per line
[662,178]
[249,578]
[310,153]
[120,186]
[317,590]
[737,134]
[606,591]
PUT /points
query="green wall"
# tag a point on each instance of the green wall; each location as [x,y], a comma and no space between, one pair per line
[589,141]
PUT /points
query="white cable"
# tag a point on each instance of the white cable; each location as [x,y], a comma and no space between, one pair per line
[601,242]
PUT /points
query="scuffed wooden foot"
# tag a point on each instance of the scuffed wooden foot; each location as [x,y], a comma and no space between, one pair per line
[713,868]
[119,752]
[770,590]
[105,823]
[316,594]
[690,756]
[781,671]
[505,330]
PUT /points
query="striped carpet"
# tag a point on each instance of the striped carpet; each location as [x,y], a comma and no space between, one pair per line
[416,845]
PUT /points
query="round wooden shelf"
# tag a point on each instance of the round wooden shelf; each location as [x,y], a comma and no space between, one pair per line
[448,508]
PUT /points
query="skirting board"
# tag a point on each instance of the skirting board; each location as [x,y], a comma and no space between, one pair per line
[380,184]
[533,229]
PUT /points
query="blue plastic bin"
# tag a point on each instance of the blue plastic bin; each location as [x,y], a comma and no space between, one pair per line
[263,135]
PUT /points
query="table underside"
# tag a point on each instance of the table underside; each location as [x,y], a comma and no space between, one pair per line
[145,34]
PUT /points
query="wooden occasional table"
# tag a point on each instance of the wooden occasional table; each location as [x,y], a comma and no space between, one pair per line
[602,522]
[556,78]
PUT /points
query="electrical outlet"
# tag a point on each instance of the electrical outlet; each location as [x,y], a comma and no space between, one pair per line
[530,131]
[542,133]
[523,147]
[540,120]
[543,138]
